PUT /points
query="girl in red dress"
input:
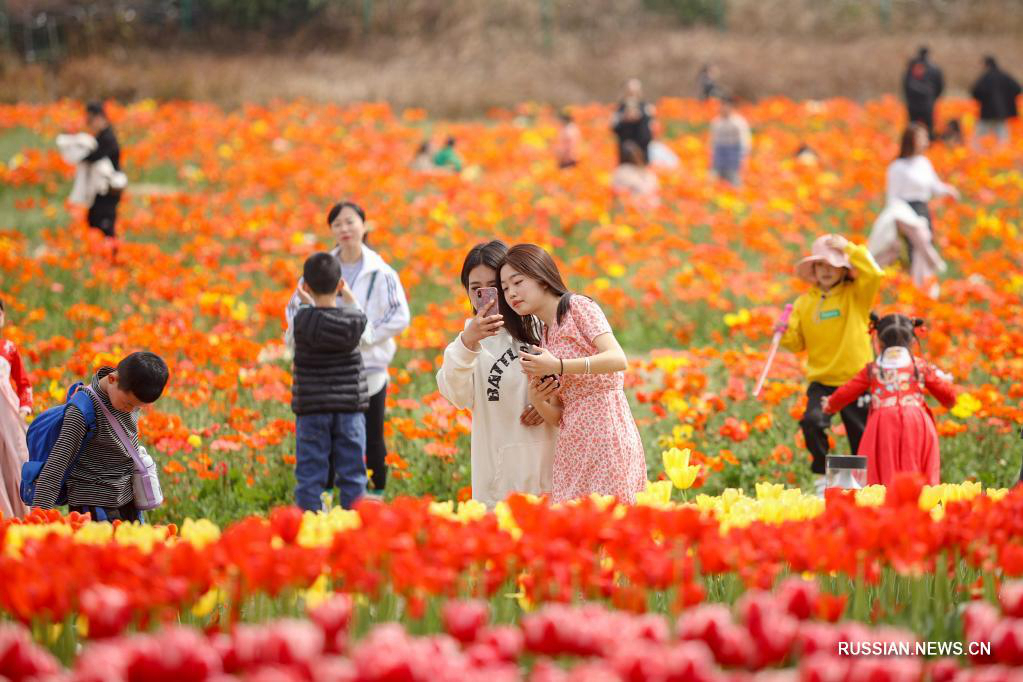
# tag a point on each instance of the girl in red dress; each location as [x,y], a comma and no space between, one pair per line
[900,434]
[15,405]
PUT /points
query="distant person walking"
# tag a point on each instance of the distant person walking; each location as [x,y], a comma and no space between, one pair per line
[632,121]
[996,93]
[922,85]
[730,142]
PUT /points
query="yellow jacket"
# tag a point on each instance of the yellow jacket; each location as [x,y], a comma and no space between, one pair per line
[834,326]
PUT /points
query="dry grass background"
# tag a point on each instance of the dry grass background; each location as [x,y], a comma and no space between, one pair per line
[460,57]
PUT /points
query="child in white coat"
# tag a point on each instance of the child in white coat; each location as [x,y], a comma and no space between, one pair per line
[512,449]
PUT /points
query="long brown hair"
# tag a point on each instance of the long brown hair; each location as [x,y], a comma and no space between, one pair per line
[531,261]
[907,145]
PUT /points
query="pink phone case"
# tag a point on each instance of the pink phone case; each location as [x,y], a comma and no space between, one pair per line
[483,296]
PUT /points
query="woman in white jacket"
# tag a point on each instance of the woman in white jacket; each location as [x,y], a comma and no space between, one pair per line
[378,291]
[512,448]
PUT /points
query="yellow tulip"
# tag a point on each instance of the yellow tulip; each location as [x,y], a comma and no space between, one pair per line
[676,465]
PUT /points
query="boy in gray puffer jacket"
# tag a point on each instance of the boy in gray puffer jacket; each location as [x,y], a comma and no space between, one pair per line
[329,395]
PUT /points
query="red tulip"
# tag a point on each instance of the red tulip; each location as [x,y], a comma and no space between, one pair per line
[108,609]
[817,638]
[943,670]
[333,618]
[1010,596]
[505,641]
[823,667]
[979,621]
[464,619]
[1007,641]
[286,522]
[799,597]
[21,658]
[885,669]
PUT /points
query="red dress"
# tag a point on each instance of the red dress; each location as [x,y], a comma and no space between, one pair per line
[900,434]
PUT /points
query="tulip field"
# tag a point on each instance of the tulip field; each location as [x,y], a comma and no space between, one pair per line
[724,568]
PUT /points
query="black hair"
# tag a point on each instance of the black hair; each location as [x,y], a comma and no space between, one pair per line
[336,209]
[990,62]
[95,109]
[565,115]
[491,254]
[897,330]
[450,141]
[321,273]
[2,309]
[923,51]
[144,375]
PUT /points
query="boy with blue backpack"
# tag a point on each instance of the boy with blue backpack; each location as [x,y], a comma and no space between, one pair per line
[86,452]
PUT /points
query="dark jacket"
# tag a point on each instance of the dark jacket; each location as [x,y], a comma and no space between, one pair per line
[328,375]
[922,85]
[107,148]
[637,131]
[996,92]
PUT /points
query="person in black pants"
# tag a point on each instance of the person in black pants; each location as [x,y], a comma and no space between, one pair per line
[815,423]
[103,212]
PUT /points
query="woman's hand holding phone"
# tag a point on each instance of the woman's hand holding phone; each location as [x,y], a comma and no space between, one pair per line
[541,390]
[483,326]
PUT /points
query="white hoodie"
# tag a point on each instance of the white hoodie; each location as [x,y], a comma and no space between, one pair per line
[380,295]
[506,455]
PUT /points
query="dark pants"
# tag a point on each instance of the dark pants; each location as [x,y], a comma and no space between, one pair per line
[126,513]
[103,213]
[329,451]
[376,448]
[925,116]
[815,424]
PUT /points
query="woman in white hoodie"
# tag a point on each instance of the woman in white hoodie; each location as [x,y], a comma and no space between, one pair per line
[512,448]
[378,292]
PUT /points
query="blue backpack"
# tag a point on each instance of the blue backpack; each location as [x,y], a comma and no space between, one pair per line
[42,435]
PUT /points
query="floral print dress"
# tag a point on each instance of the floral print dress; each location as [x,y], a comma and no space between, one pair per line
[599,449]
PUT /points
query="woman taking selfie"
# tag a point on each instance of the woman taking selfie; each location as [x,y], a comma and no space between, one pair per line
[512,447]
[599,449]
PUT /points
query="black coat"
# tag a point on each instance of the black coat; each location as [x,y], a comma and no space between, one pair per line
[637,131]
[106,148]
[922,85]
[329,376]
[996,92]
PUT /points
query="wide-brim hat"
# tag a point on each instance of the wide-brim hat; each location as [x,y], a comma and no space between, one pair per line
[822,252]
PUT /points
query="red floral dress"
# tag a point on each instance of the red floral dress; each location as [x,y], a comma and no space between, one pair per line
[900,434]
[599,449]
[15,393]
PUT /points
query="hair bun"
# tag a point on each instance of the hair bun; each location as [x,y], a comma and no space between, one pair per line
[874,319]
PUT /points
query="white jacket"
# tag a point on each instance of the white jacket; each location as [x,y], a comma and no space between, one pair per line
[506,456]
[386,310]
[91,179]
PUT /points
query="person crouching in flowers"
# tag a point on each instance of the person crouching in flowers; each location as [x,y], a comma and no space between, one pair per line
[512,447]
[900,434]
[831,322]
[598,449]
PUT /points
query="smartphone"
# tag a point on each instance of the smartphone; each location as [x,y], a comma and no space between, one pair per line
[485,295]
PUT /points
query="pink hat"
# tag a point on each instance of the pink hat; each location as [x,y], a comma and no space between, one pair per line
[823,252]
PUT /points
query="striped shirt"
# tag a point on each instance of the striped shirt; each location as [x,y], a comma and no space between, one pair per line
[102,475]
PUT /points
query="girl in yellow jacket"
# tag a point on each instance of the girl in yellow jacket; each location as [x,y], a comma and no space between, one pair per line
[831,322]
